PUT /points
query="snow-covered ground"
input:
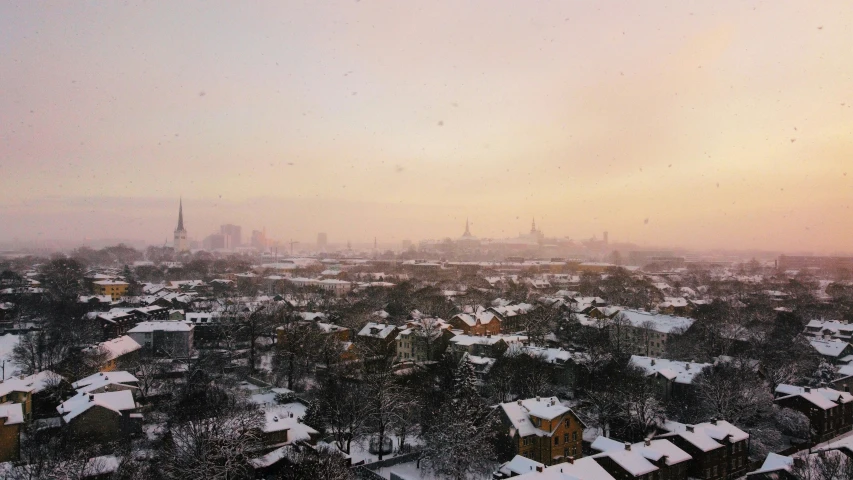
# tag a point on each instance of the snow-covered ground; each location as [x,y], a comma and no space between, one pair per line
[359,448]
[7,343]
[410,471]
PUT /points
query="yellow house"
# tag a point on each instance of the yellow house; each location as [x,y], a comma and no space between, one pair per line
[18,391]
[11,418]
[114,288]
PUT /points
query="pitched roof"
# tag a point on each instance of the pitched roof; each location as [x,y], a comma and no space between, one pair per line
[706,436]
[674,370]
[823,398]
[117,402]
[546,408]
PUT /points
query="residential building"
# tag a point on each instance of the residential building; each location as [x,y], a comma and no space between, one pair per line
[11,419]
[115,289]
[108,353]
[672,377]
[645,333]
[830,329]
[378,337]
[101,417]
[719,449]
[832,350]
[512,316]
[830,411]
[423,339]
[543,429]
[647,460]
[234,235]
[775,467]
[480,322]
[18,391]
[164,337]
[484,346]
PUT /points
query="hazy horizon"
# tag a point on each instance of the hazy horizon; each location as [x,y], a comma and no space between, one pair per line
[713,125]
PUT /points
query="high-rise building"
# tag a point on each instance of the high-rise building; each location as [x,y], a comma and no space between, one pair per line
[259,239]
[181,244]
[216,241]
[322,241]
[234,235]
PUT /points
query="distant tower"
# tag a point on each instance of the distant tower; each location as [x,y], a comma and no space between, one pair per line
[533,226]
[605,238]
[181,244]
[467,229]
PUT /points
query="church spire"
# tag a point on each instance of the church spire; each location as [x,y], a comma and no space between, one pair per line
[181,215]
[467,230]
[533,226]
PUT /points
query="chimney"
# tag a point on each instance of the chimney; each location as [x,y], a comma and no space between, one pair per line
[807,389]
[275,419]
[519,401]
[648,442]
[713,421]
[653,362]
[538,468]
[91,397]
[689,428]
[571,459]
[627,446]
[538,398]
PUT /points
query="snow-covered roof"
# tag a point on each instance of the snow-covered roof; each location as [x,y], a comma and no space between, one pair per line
[112,349]
[624,456]
[102,379]
[650,450]
[467,340]
[519,413]
[823,398]
[376,330]
[110,282]
[15,385]
[585,468]
[828,348]
[774,463]
[706,436]
[482,316]
[673,370]
[287,417]
[168,326]
[12,412]
[657,322]
[117,402]
[42,380]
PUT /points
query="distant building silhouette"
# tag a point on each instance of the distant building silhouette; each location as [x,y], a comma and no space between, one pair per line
[233,234]
[181,244]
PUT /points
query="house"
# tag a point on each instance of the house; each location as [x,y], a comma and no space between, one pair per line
[830,329]
[645,333]
[719,449]
[647,460]
[543,429]
[775,467]
[108,353]
[42,383]
[512,316]
[18,391]
[95,303]
[378,337]
[672,377]
[164,337]
[479,322]
[675,306]
[152,312]
[114,288]
[422,340]
[832,350]
[563,364]
[115,322]
[101,417]
[282,425]
[11,419]
[484,346]
[830,411]
[522,468]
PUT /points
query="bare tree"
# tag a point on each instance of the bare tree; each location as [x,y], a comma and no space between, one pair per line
[385,403]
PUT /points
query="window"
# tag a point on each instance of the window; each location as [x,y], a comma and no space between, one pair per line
[556,440]
[574,435]
[568,422]
[565,438]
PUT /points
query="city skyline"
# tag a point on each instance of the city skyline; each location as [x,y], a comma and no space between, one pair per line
[674,124]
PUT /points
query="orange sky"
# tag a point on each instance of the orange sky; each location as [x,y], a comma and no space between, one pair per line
[725,123]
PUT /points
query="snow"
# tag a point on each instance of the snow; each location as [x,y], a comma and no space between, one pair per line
[775,462]
[410,471]
[633,462]
[824,398]
[40,381]
[468,340]
[167,326]
[679,372]
[658,322]
[376,330]
[581,469]
[828,348]
[706,436]
[654,450]
[269,397]
[102,379]
[12,412]
[519,413]
[117,347]
[519,465]
[115,401]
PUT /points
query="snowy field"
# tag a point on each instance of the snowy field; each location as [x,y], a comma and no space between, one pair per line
[410,471]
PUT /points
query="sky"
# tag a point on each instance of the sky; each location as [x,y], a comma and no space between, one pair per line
[699,124]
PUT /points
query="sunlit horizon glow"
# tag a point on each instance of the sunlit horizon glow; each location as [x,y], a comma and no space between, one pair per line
[725,124]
